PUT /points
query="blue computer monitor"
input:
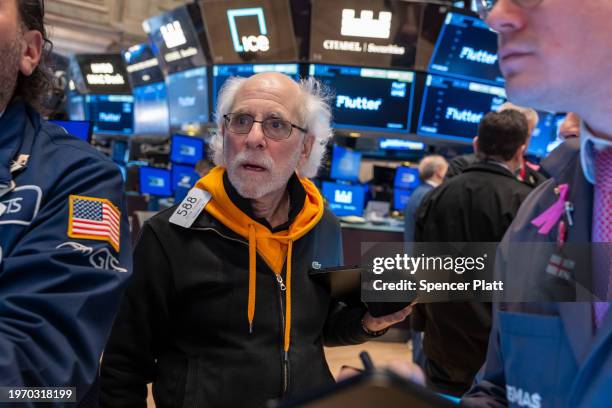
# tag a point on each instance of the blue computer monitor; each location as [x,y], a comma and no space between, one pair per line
[155,182]
[386,143]
[111,114]
[368,98]
[466,48]
[188,98]
[183,176]
[222,73]
[400,198]
[119,151]
[344,199]
[78,128]
[345,164]
[543,136]
[186,149]
[406,178]
[453,108]
[151,116]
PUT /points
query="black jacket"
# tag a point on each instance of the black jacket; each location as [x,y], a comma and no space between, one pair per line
[183,322]
[475,206]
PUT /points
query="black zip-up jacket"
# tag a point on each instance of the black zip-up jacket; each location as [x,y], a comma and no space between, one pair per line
[183,325]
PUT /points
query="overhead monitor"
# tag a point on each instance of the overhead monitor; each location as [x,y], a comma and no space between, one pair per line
[406,178]
[222,73]
[79,128]
[345,164]
[249,31]
[151,114]
[186,149]
[103,74]
[177,37]
[453,108]
[183,176]
[142,65]
[400,198]
[155,182]
[111,114]
[188,99]
[344,199]
[385,143]
[368,98]
[380,33]
[466,48]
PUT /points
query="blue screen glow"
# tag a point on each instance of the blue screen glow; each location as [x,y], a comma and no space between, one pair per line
[344,199]
[155,182]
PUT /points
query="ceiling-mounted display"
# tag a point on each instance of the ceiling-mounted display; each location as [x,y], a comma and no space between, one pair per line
[142,65]
[249,31]
[381,33]
[101,74]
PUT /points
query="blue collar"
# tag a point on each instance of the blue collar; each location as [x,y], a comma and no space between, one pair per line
[588,145]
[12,124]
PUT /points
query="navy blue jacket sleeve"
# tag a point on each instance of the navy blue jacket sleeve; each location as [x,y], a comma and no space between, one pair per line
[59,295]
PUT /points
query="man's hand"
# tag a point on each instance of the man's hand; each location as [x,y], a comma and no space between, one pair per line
[375,324]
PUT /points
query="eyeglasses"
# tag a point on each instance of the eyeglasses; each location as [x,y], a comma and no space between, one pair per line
[484,7]
[273,128]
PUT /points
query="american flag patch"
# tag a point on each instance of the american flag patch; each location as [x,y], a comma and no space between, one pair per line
[94,218]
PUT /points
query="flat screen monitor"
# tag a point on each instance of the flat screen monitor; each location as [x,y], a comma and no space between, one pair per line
[345,164]
[186,149]
[406,178]
[111,114]
[76,107]
[452,108]
[222,73]
[176,38]
[249,31]
[381,33]
[103,74]
[142,65]
[79,128]
[120,151]
[544,135]
[155,182]
[151,116]
[385,143]
[466,48]
[400,198]
[344,199]
[368,98]
[188,99]
[183,176]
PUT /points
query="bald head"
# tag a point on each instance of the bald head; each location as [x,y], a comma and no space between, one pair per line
[275,87]
[433,168]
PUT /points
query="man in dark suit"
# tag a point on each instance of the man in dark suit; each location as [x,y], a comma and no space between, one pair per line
[475,206]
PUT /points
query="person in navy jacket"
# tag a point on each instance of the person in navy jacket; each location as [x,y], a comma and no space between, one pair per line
[556,354]
[64,243]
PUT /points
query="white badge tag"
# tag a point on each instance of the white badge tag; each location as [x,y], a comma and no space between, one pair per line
[191,206]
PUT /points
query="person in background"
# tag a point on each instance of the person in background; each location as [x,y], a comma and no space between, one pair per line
[432,170]
[476,206]
[556,353]
[203,167]
[224,309]
[65,255]
[570,127]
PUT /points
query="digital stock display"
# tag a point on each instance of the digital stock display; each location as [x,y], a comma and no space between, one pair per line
[156,182]
[142,65]
[406,177]
[368,98]
[453,108]
[151,116]
[344,199]
[188,99]
[186,149]
[466,48]
[111,114]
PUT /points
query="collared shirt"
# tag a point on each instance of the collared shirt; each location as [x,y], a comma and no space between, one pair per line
[588,142]
[432,183]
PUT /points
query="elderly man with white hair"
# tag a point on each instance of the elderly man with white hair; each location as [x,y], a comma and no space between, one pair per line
[224,309]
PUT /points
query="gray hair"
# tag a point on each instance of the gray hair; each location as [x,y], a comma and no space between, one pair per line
[530,114]
[315,114]
[429,165]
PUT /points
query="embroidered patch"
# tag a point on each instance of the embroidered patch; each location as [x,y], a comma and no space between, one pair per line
[94,218]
